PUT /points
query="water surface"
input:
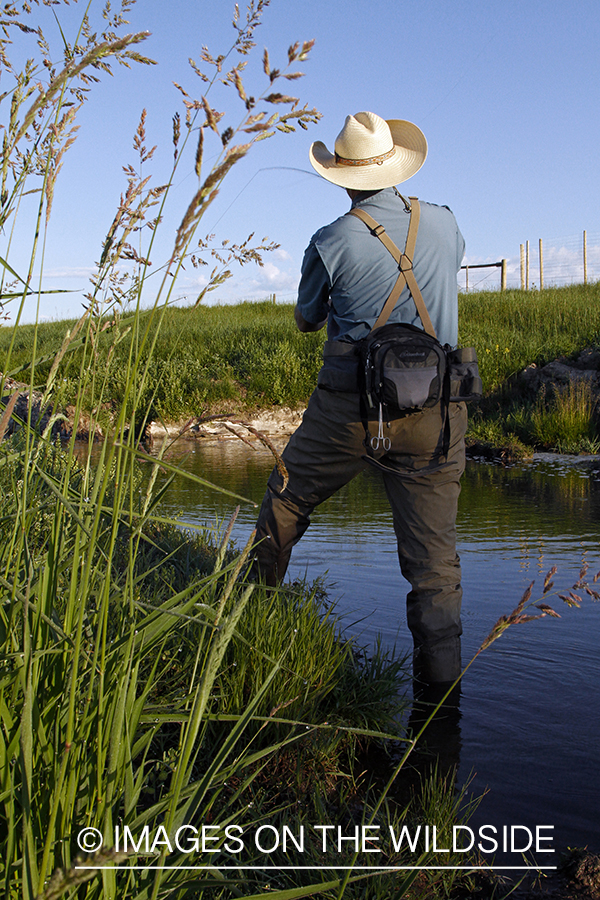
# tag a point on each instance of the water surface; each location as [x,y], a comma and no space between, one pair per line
[530,723]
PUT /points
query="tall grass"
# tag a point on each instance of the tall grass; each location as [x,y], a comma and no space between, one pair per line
[88,641]
[143,683]
[569,422]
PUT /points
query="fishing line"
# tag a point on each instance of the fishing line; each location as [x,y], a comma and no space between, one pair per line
[265,169]
[250,180]
[462,78]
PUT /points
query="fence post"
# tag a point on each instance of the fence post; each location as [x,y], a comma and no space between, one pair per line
[541,267]
[585,257]
[522,253]
[526,265]
[467,280]
[503,276]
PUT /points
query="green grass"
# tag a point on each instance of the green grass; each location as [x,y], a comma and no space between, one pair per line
[143,682]
[207,359]
[513,329]
[250,356]
[252,353]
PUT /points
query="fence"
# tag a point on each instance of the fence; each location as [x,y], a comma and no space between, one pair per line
[497,265]
[569,260]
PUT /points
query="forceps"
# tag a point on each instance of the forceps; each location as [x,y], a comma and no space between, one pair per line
[380,439]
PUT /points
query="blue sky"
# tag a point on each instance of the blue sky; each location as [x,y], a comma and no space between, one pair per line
[506,93]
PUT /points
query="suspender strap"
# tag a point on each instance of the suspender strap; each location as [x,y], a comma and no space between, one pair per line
[405,262]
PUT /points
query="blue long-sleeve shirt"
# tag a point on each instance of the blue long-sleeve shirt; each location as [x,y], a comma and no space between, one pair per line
[347,273]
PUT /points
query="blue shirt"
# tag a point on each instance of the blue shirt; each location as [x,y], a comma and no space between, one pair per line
[347,273]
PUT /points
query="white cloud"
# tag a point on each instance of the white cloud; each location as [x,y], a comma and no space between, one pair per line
[280,253]
[79,272]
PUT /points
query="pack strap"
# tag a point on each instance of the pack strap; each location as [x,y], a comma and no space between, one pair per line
[405,262]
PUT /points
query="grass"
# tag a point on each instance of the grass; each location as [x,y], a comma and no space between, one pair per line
[206,359]
[564,421]
[142,684]
[513,330]
[209,360]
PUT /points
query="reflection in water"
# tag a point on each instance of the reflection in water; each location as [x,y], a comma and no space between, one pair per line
[530,704]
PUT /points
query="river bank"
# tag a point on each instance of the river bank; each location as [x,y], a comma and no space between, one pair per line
[277,425]
[213,368]
[487,439]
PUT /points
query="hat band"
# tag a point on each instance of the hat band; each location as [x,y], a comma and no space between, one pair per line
[371,161]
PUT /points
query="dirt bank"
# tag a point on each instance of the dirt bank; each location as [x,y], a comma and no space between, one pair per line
[275,424]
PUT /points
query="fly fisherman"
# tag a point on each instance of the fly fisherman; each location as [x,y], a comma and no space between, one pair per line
[348,274]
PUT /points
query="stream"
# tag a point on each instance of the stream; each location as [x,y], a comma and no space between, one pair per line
[530,724]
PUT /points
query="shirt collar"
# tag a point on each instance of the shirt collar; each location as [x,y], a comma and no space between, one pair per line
[366,195]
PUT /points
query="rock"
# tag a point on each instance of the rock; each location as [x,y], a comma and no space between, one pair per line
[588,359]
[62,428]
[20,412]
[563,371]
[82,428]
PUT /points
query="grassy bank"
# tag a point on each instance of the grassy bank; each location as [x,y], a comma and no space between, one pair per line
[516,329]
[144,685]
[207,358]
[513,329]
[250,355]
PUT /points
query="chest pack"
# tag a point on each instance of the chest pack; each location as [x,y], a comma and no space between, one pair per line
[403,368]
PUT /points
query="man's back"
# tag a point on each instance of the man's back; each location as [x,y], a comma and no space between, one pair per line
[349,267]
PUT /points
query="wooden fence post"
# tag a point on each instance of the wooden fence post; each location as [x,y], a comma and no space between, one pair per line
[522,253]
[541,267]
[526,265]
[503,276]
[467,280]
[585,257]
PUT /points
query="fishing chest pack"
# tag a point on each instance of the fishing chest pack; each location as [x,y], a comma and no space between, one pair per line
[402,368]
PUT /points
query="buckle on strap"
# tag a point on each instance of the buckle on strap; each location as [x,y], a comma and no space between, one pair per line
[405,264]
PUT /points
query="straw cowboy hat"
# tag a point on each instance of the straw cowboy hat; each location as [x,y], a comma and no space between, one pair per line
[371,153]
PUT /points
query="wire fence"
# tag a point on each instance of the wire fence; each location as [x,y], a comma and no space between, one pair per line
[544,263]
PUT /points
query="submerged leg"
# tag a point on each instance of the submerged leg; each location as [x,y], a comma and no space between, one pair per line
[322,455]
[424,499]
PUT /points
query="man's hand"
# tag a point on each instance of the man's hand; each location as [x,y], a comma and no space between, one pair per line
[305,326]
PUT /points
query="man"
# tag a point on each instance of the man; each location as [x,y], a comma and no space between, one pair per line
[347,276]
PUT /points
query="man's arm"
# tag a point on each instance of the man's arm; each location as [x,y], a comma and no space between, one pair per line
[312,308]
[305,326]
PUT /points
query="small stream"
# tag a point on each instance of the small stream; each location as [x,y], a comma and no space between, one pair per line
[530,726]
